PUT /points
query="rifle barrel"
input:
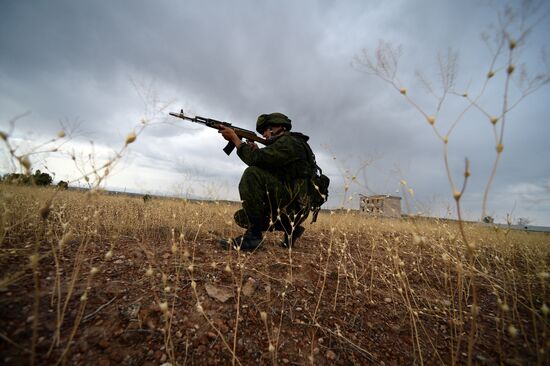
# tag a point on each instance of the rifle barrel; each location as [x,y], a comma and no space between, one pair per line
[212,123]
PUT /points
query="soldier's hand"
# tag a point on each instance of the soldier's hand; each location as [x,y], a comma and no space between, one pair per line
[229,135]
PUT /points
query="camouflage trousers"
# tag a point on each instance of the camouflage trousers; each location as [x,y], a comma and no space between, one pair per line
[268,203]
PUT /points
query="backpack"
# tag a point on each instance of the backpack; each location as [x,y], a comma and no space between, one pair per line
[318,187]
[318,191]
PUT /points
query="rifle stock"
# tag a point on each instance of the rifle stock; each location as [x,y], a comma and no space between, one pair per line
[212,123]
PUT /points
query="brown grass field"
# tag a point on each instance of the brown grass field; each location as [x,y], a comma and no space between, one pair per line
[96,279]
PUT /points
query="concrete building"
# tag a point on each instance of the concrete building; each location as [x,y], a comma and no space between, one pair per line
[380,205]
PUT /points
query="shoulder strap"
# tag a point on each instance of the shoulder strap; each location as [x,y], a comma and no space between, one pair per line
[311,159]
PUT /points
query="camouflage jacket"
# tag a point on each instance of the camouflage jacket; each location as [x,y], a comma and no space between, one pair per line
[289,158]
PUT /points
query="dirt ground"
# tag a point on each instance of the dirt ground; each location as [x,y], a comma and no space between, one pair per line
[314,314]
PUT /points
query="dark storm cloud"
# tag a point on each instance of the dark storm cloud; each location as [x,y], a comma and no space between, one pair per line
[108,64]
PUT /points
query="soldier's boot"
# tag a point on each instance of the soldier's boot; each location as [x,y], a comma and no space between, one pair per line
[249,241]
[289,241]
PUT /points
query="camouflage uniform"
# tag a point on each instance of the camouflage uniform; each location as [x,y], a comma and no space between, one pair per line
[274,187]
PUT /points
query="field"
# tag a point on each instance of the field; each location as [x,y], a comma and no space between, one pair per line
[91,278]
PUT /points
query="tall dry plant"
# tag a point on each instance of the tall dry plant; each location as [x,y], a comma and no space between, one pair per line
[505,65]
[22,158]
[514,26]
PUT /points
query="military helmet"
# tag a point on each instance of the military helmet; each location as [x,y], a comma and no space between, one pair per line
[272,119]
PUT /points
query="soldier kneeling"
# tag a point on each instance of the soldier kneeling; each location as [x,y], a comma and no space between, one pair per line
[275,187]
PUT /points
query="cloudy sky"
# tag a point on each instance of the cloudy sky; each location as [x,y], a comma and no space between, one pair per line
[98,68]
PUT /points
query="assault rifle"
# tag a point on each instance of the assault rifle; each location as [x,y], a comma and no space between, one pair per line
[212,123]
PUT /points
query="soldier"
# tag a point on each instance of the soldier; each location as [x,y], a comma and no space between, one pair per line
[275,187]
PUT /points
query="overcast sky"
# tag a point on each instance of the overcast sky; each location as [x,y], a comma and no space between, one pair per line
[99,67]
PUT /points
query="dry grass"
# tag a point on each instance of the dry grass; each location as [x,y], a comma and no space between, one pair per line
[91,276]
